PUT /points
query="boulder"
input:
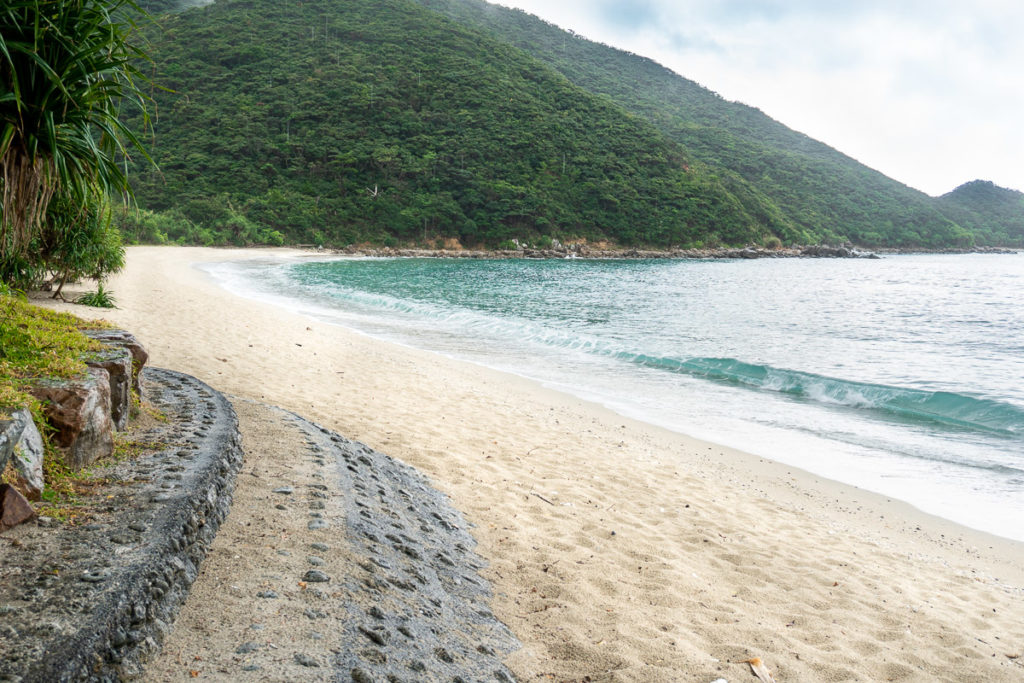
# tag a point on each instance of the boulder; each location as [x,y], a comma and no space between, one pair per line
[10,433]
[14,509]
[117,361]
[28,457]
[79,412]
[127,340]
[825,251]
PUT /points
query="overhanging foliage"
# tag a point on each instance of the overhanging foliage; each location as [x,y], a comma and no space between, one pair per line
[67,67]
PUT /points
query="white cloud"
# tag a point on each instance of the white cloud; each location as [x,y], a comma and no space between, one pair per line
[926,92]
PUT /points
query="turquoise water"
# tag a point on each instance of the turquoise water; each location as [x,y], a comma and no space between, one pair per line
[903,375]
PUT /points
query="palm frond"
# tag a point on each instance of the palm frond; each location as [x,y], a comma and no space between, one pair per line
[65,68]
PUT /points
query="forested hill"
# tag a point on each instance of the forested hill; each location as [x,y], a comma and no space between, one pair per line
[825,192]
[397,121]
[993,214]
[339,122]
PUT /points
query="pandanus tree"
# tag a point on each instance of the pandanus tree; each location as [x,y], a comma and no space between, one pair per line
[67,67]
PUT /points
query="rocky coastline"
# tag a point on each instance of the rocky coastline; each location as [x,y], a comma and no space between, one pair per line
[584,251]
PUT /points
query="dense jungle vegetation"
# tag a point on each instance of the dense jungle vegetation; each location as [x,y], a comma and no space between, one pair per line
[415,121]
[828,195]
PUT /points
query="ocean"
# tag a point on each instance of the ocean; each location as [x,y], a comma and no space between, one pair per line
[903,375]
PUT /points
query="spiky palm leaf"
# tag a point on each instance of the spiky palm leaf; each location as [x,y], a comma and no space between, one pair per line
[66,67]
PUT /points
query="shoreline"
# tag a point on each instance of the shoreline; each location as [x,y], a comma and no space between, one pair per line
[984,511]
[615,546]
[584,251]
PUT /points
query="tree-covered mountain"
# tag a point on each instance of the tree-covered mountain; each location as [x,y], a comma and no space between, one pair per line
[827,194]
[376,121]
[413,120]
[995,215]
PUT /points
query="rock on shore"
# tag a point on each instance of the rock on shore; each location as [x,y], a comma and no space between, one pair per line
[91,601]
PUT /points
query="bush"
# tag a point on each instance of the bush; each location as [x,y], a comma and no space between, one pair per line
[101,298]
[80,242]
[543,242]
[273,237]
[75,242]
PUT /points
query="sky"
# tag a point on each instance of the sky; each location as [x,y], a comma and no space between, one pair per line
[929,92]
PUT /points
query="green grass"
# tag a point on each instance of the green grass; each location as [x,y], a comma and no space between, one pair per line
[37,344]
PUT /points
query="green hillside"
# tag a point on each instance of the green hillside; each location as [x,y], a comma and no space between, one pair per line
[995,215]
[383,121]
[409,121]
[827,194]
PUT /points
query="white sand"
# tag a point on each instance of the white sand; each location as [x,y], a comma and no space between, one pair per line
[619,551]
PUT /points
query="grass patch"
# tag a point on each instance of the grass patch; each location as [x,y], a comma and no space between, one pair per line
[72,495]
[38,344]
[60,495]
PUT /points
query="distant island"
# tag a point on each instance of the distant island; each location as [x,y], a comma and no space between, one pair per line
[430,123]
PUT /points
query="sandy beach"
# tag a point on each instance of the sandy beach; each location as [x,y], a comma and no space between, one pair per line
[618,551]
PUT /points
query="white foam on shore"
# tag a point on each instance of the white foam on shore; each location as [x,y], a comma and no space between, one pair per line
[713,412]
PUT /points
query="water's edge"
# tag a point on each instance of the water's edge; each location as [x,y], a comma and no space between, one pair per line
[940,450]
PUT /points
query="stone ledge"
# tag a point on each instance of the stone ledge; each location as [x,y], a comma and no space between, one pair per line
[415,605]
[93,602]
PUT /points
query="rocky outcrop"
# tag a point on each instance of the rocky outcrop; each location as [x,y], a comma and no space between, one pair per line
[84,412]
[821,251]
[79,412]
[117,362]
[127,341]
[14,508]
[10,433]
[27,459]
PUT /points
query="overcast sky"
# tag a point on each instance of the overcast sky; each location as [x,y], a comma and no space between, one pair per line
[929,92]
